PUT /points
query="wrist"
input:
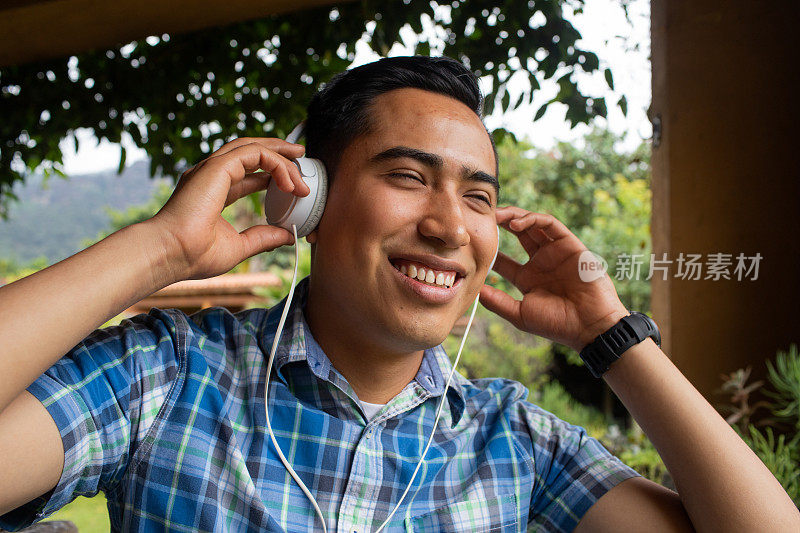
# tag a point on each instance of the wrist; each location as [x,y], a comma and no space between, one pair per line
[591,332]
[165,256]
[610,345]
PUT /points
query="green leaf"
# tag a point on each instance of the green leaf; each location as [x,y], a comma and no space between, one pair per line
[122,156]
[518,101]
[609,78]
[505,101]
[540,112]
[623,105]
[501,134]
[591,62]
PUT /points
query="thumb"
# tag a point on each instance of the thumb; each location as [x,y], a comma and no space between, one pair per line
[264,238]
[501,304]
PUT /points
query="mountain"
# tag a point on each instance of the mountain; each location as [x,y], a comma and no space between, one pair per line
[53,217]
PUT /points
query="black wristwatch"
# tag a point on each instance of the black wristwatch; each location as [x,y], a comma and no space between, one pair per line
[609,346]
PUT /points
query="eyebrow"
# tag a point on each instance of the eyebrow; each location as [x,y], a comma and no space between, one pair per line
[436,162]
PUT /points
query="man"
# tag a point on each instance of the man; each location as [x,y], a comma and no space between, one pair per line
[165,413]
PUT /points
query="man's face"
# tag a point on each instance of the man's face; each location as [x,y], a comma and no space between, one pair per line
[415,193]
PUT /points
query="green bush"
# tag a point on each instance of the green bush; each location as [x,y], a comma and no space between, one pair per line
[784,376]
[779,456]
[496,348]
[778,450]
[635,450]
[552,397]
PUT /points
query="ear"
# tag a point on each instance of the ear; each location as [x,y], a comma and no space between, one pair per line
[311,238]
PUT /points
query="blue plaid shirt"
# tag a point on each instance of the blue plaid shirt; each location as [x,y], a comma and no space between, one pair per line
[165,414]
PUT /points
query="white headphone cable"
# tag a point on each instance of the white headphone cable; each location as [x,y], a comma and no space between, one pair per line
[283,459]
[436,420]
[266,385]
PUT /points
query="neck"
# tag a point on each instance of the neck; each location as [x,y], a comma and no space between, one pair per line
[376,373]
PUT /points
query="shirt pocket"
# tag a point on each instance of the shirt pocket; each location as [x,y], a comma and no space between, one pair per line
[491,515]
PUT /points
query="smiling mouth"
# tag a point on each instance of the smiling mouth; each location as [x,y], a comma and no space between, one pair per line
[426,274]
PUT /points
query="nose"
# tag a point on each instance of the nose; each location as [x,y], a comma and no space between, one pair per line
[444,222]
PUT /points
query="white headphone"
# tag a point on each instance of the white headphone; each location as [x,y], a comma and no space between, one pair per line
[284,209]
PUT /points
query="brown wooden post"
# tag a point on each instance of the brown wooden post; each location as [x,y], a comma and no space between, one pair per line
[725,179]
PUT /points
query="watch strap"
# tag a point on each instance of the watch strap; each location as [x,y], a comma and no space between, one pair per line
[609,346]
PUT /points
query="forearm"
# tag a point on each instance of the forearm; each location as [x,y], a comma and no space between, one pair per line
[44,315]
[722,483]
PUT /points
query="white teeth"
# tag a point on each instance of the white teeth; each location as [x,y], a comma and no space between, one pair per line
[427,275]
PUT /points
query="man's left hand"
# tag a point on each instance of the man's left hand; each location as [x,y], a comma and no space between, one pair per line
[556,303]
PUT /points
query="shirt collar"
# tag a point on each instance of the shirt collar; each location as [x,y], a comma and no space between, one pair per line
[298,344]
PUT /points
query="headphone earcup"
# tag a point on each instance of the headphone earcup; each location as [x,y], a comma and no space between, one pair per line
[285,209]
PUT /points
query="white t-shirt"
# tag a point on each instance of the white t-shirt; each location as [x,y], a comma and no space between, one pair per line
[371,409]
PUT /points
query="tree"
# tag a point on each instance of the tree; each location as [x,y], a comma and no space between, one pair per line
[600,192]
[181,96]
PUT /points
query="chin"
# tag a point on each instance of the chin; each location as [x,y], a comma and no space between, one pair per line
[417,336]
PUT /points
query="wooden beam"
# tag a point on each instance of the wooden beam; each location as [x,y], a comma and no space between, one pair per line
[38,30]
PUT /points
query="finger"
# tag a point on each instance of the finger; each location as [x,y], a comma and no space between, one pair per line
[501,304]
[284,172]
[300,186]
[508,212]
[534,229]
[283,149]
[531,240]
[208,180]
[188,173]
[205,181]
[251,183]
[253,157]
[263,238]
[549,225]
[287,149]
[507,267]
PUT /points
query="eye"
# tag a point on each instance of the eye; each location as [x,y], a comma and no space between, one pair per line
[482,197]
[403,175]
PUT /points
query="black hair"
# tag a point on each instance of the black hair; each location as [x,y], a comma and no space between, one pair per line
[339,112]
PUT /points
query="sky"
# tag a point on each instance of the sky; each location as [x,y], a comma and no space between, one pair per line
[604,30]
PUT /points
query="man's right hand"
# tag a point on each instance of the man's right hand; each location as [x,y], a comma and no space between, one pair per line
[44,315]
[200,243]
